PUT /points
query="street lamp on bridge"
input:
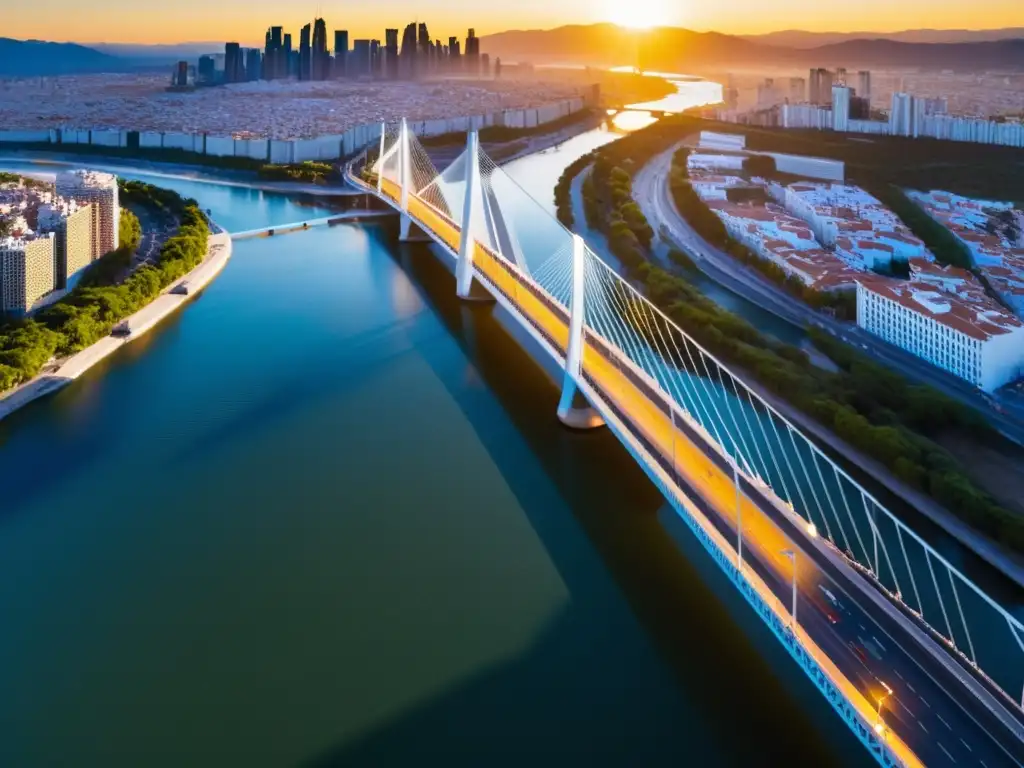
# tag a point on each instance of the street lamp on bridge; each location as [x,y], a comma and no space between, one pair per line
[792,614]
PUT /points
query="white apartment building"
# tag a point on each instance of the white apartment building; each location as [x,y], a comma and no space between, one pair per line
[26,271]
[73,226]
[841,107]
[975,341]
[99,189]
[863,232]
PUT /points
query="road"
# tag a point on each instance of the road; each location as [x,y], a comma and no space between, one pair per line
[651,192]
[867,640]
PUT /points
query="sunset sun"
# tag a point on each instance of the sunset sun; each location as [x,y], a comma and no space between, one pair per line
[637,14]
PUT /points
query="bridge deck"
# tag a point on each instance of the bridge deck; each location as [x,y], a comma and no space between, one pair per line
[687,456]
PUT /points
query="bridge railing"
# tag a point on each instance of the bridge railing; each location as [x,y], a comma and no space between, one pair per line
[766,448]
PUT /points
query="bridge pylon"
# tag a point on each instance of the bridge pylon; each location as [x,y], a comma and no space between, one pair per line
[464,265]
[573,410]
[404,178]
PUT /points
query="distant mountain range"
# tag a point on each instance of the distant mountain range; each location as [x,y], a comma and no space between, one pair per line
[676,49]
[666,48]
[795,38]
[30,58]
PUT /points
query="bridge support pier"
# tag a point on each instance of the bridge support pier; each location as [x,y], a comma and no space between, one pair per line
[573,410]
[464,287]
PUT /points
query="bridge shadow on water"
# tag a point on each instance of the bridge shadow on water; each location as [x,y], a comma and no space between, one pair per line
[737,698]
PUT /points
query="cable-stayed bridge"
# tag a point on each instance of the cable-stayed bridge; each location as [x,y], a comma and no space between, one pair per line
[921,663]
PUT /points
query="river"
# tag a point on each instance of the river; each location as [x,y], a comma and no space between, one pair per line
[326,515]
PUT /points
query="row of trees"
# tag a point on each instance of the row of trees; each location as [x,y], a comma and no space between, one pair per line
[867,405]
[310,171]
[563,189]
[89,312]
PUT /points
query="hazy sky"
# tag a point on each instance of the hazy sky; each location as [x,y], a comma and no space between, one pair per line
[166,21]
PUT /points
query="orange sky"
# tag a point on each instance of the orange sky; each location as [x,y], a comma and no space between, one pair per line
[246,20]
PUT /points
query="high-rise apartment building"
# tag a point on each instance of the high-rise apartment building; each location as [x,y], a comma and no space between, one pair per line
[797,90]
[99,189]
[820,87]
[454,54]
[26,271]
[341,53]
[841,107]
[72,225]
[864,84]
[305,52]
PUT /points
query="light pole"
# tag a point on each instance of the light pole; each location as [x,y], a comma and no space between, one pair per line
[792,557]
[881,700]
[739,516]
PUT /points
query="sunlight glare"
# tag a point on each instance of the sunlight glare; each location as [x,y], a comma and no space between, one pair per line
[637,14]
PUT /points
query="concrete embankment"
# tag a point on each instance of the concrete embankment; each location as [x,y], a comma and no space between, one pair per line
[170,300]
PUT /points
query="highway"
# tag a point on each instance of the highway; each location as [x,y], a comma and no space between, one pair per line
[652,194]
[929,713]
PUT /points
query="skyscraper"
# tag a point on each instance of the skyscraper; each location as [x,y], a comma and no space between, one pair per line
[275,64]
[340,53]
[319,58]
[305,51]
[253,64]
[408,53]
[864,85]
[391,53]
[207,70]
[234,67]
[454,55]
[472,53]
[360,57]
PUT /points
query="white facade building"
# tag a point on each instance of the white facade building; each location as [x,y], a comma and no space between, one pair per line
[841,107]
[26,271]
[977,342]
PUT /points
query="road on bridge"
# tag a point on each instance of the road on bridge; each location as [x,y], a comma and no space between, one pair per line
[868,647]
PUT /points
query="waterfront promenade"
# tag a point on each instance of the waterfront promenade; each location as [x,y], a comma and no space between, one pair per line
[169,301]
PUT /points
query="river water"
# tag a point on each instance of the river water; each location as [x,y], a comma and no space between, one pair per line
[325,515]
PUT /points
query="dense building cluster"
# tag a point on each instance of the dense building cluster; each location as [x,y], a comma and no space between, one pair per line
[49,235]
[836,237]
[317,58]
[264,109]
[992,232]
[834,100]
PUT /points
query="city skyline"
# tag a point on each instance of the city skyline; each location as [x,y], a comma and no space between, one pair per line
[119,21]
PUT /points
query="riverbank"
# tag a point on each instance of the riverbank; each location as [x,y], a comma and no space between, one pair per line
[173,297]
[180,171]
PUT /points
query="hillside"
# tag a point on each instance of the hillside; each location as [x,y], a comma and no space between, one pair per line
[680,50]
[32,58]
[796,38]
